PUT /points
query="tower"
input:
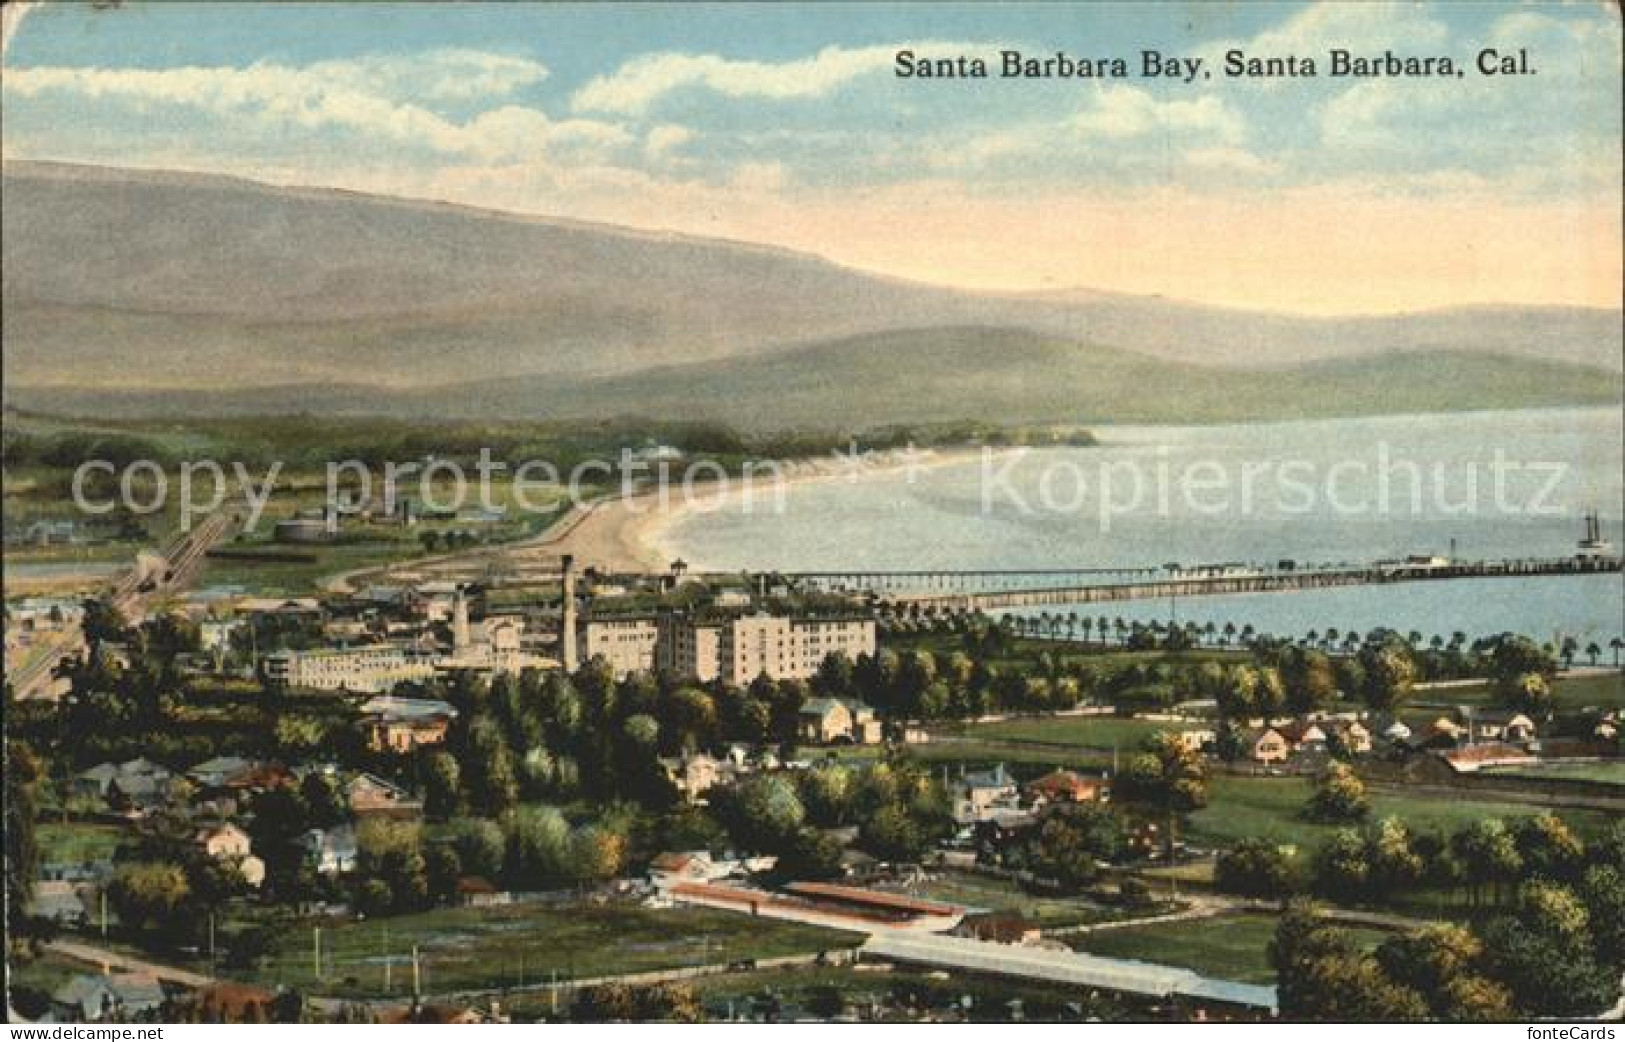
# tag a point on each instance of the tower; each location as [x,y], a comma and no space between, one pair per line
[567,616]
[459,622]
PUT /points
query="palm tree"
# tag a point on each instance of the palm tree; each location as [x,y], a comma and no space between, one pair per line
[1209,630]
[1248,633]
[1088,624]
[1616,644]
[1436,642]
[1592,651]
[1229,632]
[1312,638]
[1331,637]
[1570,646]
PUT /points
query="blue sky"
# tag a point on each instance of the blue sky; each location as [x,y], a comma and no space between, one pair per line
[786,124]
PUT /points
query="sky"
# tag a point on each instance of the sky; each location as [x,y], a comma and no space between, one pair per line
[786,124]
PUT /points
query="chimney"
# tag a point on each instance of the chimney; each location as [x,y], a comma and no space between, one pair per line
[567,623]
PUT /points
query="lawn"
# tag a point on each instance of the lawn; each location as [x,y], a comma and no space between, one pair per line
[492,948]
[1003,895]
[1611,772]
[1230,947]
[77,843]
[1271,808]
[1088,732]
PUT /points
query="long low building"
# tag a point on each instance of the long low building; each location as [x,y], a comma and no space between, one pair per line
[1124,976]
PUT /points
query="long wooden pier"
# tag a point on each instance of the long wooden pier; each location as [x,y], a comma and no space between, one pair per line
[1003,589]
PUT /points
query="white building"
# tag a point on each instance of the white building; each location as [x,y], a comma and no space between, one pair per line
[736,649]
[375,668]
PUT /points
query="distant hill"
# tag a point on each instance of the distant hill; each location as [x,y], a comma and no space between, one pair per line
[926,375]
[136,290]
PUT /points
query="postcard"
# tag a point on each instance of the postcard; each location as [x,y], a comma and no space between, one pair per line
[813,513]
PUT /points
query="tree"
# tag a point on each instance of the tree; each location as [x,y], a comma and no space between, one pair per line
[391,853]
[1390,673]
[149,896]
[1167,779]
[23,773]
[1258,868]
[763,812]
[1322,976]
[1527,692]
[1343,866]
[1445,965]
[539,847]
[1512,659]
[1549,848]
[1072,842]
[1311,682]
[1339,796]
[442,784]
[1489,855]
[1543,953]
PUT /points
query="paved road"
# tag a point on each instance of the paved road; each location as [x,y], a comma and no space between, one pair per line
[96,957]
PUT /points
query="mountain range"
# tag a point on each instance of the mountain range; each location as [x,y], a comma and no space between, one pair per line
[143,293]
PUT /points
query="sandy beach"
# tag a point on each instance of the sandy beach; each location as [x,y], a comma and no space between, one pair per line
[632,534]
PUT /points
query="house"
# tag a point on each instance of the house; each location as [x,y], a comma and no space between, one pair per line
[1264,745]
[823,721]
[369,794]
[694,774]
[1068,787]
[223,842]
[132,788]
[1397,733]
[90,998]
[332,851]
[230,845]
[1303,736]
[1487,754]
[1486,725]
[58,901]
[217,772]
[1197,739]
[977,794]
[478,892]
[402,724]
[1353,736]
[694,866]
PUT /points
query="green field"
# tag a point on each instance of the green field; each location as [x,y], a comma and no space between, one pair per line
[1002,895]
[492,948]
[1271,808]
[1569,694]
[1230,947]
[77,843]
[1611,772]
[1088,732]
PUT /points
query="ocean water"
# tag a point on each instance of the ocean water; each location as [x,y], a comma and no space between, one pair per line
[1475,486]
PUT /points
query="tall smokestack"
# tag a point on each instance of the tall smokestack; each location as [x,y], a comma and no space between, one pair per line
[459,621]
[567,624]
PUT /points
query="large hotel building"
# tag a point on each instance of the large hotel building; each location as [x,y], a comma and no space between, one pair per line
[733,649]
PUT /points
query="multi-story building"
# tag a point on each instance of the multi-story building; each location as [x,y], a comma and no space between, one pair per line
[735,649]
[374,668]
[626,642]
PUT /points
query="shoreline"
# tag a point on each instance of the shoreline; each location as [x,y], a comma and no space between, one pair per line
[632,534]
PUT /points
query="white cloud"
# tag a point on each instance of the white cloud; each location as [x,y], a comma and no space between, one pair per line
[663,140]
[1231,160]
[637,84]
[383,99]
[1118,113]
